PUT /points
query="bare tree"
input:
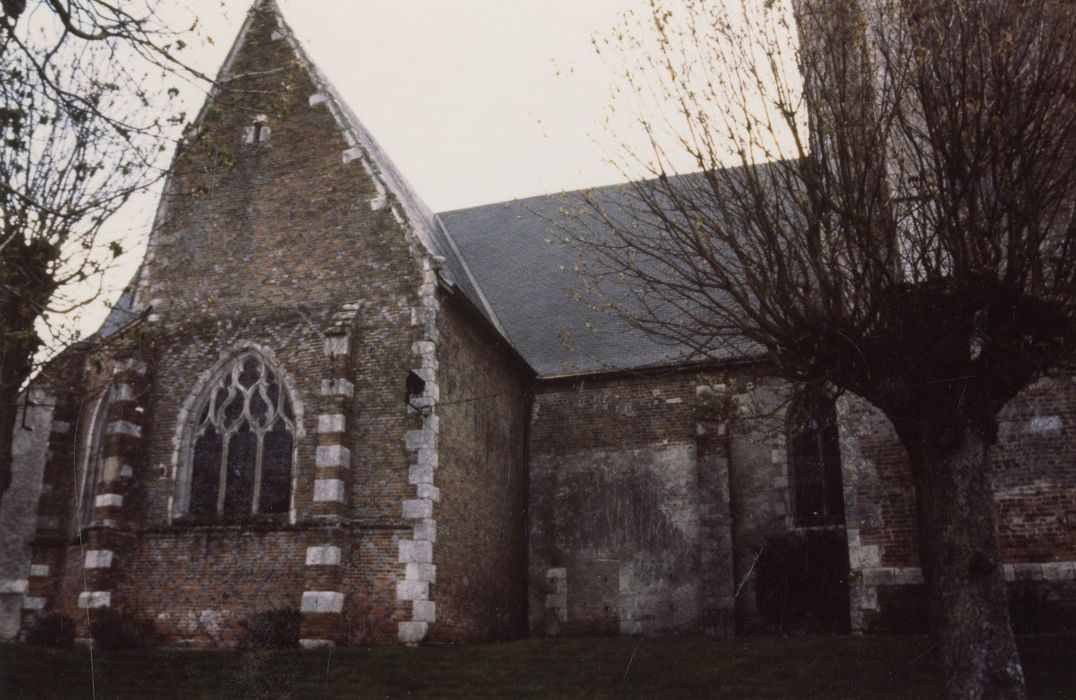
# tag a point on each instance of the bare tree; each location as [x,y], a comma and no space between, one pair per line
[82,131]
[883,203]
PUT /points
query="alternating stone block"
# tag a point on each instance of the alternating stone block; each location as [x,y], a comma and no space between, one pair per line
[417,509]
[424,611]
[416,552]
[337,345]
[322,602]
[421,572]
[328,491]
[94,599]
[412,590]
[425,530]
[326,555]
[333,456]
[337,387]
[329,423]
[99,559]
[412,632]
[108,500]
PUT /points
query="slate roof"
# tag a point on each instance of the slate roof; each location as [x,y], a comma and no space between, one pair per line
[525,270]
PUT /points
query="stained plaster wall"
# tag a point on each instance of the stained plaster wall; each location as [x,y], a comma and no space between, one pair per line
[18,508]
[629,517]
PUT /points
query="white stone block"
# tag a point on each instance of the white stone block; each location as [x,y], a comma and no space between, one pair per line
[99,559]
[420,474]
[95,599]
[336,345]
[418,439]
[316,643]
[424,611]
[417,509]
[429,492]
[423,347]
[351,154]
[865,557]
[326,555]
[318,98]
[108,500]
[412,590]
[337,387]
[39,571]
[33,603]
[416,552]
[412,632]
[322,602]
[328,491]
[428,455]
[332,423]
[122,427]
[333,456]
[425,530]
[1044,424]
[421,572]
[14,585]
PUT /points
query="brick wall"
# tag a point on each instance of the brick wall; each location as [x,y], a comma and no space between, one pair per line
[1034,475]
[479,552]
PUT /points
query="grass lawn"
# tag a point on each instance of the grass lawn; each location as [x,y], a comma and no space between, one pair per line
[754,667]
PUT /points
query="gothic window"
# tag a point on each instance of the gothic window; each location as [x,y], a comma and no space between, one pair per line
[815,459]
[241,454]
[92,458]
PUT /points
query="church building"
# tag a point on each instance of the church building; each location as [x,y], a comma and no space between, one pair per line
[319,395]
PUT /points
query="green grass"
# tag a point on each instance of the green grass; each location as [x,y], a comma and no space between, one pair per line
[751,667]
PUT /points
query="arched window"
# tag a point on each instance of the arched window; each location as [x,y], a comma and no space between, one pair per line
[242,443]
[91,454]
[815,461]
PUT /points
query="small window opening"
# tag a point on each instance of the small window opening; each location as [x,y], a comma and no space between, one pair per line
[258,132]
[815,461]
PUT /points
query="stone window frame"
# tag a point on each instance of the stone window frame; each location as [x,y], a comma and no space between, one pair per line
[91,458]
[187,424]
[258,131]
[797,407]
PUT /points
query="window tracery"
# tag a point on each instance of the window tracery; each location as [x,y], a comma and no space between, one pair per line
[241,455]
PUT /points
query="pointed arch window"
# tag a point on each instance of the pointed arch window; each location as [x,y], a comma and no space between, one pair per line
[92,458]
[815,461]
[243,443]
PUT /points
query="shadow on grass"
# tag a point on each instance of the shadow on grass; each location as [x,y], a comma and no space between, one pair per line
[745,667]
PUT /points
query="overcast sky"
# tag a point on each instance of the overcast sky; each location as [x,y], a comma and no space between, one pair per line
[476,101]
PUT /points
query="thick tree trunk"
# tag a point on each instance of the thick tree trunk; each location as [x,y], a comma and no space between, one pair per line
[961,561]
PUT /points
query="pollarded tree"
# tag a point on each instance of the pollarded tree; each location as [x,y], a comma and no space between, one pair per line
[883,204]
[82,130]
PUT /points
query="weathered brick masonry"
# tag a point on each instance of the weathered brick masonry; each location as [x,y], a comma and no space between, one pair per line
[412,474]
